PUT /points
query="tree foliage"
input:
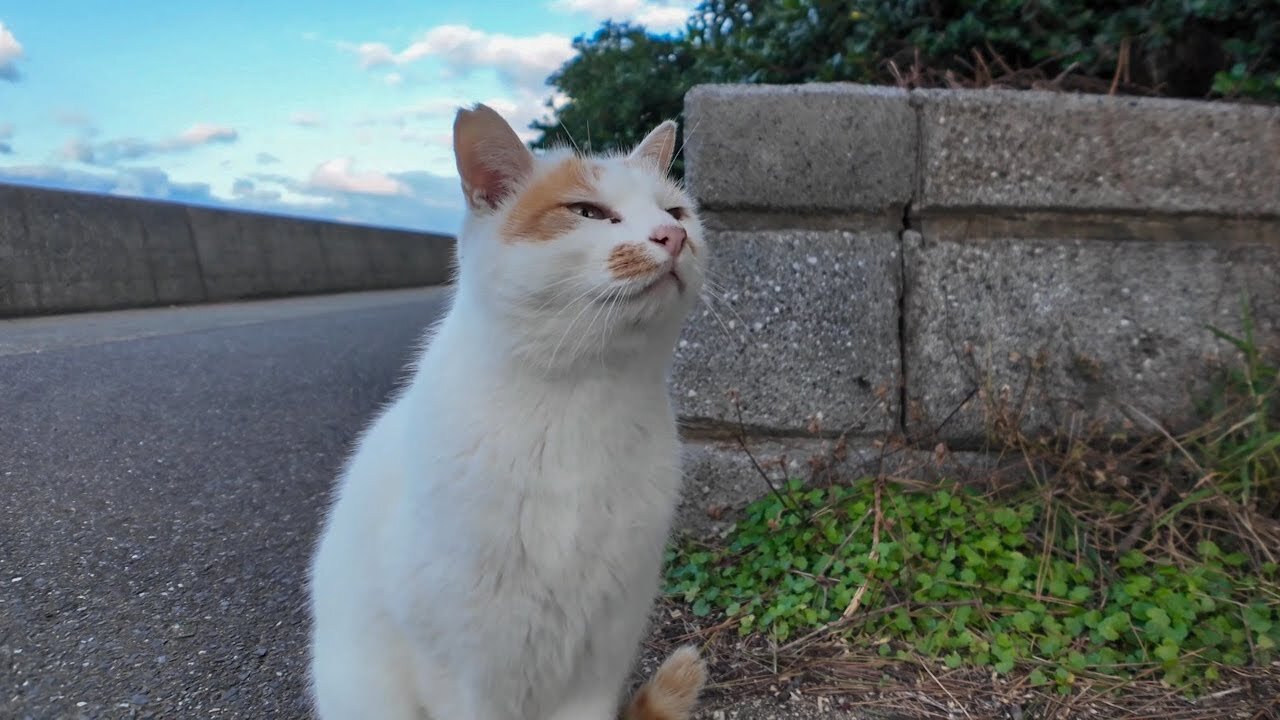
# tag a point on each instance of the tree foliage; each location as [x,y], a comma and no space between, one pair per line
[624,80]
[622,83]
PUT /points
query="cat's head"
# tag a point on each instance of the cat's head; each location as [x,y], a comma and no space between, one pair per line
[582,254]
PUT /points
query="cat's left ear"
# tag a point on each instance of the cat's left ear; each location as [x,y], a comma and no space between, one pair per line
[492,161]
[658,147]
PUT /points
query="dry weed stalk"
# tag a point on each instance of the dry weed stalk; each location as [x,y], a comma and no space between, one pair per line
[1170,502]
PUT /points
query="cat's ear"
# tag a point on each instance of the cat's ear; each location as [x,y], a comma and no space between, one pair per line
[491,159]
[658,146]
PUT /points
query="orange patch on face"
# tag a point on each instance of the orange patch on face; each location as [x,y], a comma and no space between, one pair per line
[628,262]
[539,213]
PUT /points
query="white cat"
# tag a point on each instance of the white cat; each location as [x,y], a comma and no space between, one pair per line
[497,536]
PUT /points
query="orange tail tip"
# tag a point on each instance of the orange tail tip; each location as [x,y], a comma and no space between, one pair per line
[672,692]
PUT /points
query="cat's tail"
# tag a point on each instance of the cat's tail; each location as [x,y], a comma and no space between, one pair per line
[672,692]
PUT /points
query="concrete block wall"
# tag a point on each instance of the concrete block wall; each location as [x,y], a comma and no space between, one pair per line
[63,251]
[884,255]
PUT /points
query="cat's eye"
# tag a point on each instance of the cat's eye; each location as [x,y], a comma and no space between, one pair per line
[589,211]
[676,212]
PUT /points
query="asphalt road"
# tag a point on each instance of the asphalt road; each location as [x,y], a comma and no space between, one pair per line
[161,475]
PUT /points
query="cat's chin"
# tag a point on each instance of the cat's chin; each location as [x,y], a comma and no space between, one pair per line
[664,283]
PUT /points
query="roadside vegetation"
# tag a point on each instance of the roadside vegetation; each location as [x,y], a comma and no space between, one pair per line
[1105,568]
[624,79]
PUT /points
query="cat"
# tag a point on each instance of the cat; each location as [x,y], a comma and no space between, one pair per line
[496,541]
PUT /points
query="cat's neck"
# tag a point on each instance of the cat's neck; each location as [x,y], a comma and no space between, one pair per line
[490,342]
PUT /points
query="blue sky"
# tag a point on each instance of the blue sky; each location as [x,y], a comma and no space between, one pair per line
[338,110]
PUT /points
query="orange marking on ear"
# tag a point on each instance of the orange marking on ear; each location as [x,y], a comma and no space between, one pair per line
[539,213]
[628,262]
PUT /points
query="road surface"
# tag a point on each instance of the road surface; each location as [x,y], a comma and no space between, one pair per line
[161,473]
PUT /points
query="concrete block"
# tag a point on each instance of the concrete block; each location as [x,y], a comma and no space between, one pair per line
[387,258]
[1063,323]
[1019,150]
[295,261]
[721,479]
[233,261]
[19,298]
[67,251]
[171,252]
[433,259]
[13,234]
[806,325]
[402,259]
[346,254]
[834,147]
[85,253]
[13,230]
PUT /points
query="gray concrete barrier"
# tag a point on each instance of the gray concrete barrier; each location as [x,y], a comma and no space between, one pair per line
[63,251]
[884,256]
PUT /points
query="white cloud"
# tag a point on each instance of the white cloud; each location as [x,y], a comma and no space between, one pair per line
[10,51]
[72,118]
[203,134]
[393,79]
[306,119]
[129,182]
[524,61]
[110,152]
[659,15]
[663,17]
[77,150]
[244,189]
[340,175]
[432,119]
[522,110]
[435,108]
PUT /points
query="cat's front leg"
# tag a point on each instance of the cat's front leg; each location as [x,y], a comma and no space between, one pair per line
[455,690]
[593,704]
[596,690]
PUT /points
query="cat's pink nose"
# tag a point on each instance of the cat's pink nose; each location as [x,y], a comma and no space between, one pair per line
[670,237]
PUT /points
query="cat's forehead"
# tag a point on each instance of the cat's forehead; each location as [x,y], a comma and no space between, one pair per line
[602,174]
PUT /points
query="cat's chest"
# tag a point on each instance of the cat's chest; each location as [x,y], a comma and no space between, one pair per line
[606,444]
[559,478]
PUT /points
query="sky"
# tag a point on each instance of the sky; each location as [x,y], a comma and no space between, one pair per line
[317,108]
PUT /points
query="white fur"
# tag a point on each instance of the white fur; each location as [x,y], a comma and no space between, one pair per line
[497,535]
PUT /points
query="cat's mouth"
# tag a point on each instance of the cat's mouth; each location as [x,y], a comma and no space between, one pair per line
[671,276]
[659,284]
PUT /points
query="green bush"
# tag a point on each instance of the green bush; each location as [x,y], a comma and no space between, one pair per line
[623,78]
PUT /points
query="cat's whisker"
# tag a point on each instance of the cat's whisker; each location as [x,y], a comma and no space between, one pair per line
[608,301]
[552,360]
[723,325]
[556,295]
[604,338]
[567,306]
[602,303]
[570,136]
[688,134]
[612,303]
[715,292]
